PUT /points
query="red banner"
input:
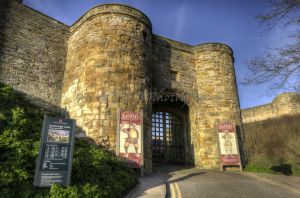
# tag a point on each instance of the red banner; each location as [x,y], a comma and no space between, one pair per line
[226,127]
[230,159]
[130,138]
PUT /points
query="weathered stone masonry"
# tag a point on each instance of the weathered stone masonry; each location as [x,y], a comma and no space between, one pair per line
[32,52]
[110,59]
[108,54]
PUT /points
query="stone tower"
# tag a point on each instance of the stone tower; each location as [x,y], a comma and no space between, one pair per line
[219,99]
[108,68]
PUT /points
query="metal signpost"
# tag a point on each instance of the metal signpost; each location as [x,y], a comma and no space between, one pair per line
[54,163]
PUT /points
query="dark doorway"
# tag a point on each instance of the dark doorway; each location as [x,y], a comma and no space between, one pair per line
[167,138]
[171,137]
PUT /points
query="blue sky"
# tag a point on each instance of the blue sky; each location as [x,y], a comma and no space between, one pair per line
[193,22]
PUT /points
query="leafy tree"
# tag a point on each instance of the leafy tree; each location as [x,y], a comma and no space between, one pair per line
[281,66]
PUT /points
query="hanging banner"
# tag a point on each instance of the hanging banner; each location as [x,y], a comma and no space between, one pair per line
[228,145]
[56,150]
[130,137]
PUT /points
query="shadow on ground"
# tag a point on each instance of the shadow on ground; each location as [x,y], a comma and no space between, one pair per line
[163,174]
[192,182]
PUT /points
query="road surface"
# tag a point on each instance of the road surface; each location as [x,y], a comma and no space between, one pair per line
[186,182]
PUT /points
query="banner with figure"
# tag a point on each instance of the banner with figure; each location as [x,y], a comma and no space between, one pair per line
[228,145]
[130,137]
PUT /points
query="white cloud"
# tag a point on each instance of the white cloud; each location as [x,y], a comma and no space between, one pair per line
[180,19]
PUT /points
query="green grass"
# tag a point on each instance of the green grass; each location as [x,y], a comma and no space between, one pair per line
[258,169]
[274,144]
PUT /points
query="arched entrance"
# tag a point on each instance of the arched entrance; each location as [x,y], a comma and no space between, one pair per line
[167,138]
[170,133]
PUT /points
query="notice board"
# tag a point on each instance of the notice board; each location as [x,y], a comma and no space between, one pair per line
[54,162]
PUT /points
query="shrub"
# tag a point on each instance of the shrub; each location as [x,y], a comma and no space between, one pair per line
[285,169]
[95,172]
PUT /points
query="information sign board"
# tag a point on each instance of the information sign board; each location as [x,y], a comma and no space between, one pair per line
[54,163]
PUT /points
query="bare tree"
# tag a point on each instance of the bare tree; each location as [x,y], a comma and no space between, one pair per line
[280,66]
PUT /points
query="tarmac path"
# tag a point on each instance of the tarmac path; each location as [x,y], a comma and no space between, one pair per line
[187,182]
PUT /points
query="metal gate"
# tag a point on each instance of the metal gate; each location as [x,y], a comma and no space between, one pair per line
[167,138]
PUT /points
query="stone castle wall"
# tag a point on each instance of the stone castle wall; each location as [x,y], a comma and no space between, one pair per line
[108,69]
[173,75]
[203,76]
[32,52]
[172,65]
[283,104]
[110,59]
[219,102]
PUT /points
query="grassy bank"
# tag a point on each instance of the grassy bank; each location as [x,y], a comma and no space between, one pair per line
[273,145]
[95,172]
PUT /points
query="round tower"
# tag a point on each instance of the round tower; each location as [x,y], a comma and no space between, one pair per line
[107,68]
[218,100]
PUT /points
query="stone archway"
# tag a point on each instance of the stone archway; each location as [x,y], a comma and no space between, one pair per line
[171,139]
[167,137]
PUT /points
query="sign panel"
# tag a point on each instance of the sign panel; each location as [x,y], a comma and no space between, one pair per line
[56,150]
[130,137]
[228,144]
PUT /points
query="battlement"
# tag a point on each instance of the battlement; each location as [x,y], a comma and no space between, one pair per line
[283,104]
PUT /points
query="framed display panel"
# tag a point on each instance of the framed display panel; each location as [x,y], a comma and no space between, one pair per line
[130,138]
[54,162]
[228,144]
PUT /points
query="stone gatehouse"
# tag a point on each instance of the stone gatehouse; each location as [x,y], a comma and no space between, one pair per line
[109,59]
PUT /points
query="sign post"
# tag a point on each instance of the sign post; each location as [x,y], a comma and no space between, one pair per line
[130,138]
[54,163]
[229,150]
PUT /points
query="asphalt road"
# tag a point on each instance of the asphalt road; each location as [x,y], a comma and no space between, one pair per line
[195,183]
